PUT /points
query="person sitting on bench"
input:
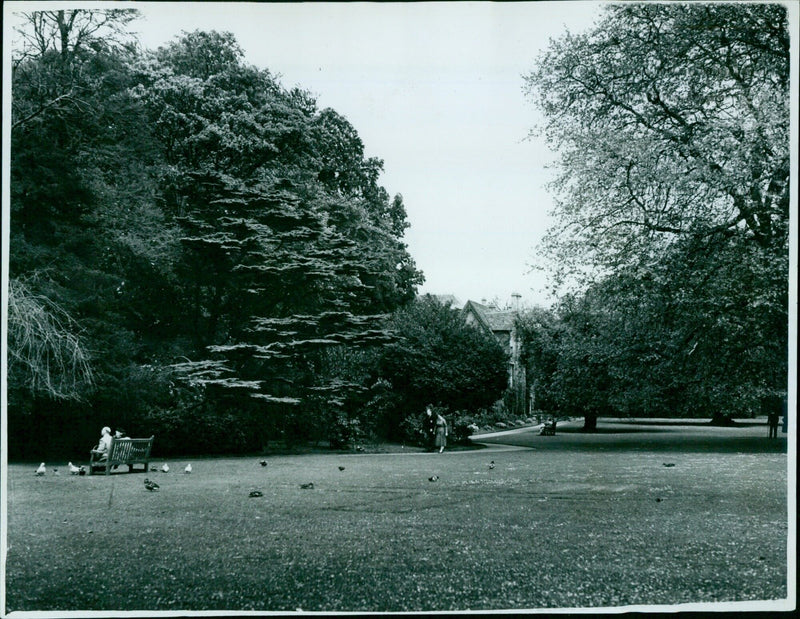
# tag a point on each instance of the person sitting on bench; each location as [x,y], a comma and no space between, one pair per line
[105,443]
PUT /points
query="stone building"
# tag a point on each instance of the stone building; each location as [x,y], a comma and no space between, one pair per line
[502,324]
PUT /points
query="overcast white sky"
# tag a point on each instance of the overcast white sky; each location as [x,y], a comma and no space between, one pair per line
[436,91]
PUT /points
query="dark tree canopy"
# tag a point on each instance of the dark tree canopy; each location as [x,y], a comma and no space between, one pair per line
[180,214]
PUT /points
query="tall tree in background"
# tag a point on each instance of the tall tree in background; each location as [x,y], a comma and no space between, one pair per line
[86,234]
[290,246]
[672,121]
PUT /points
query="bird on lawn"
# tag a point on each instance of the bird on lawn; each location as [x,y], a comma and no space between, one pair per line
[41,470]
[433,478]
[73,470]
[256,493]
[55,471]
[82,470]
[151,485]
[165,468]
[188,468]
[308,486]
[341,468]
[262,462]
[669,464]
[491,464]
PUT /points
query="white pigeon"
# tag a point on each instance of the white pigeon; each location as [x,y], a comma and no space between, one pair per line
[188,468]
[165,468]
[41,470]
[73,470]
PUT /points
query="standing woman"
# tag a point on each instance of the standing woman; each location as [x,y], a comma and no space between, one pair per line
[429,424]
[441,432]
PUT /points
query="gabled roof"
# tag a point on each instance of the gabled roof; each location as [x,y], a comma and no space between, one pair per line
[490,317]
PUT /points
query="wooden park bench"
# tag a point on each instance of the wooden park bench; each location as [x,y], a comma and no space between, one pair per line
[128,451]
[549,428]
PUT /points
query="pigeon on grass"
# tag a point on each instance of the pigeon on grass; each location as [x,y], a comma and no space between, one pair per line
[41,470]
[151,485]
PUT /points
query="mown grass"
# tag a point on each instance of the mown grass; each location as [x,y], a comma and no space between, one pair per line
[554,524]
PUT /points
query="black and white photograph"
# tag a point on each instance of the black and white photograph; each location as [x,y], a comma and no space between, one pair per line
[399,308]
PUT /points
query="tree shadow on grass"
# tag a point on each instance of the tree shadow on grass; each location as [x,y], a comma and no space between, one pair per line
[607,430]
[610,439]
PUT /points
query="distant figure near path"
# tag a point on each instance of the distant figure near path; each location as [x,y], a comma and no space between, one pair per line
[429,427]
[441,433]
[772,421]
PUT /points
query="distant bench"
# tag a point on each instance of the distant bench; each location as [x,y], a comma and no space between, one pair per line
[128,451]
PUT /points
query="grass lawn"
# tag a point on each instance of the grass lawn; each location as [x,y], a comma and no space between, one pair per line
[573,520]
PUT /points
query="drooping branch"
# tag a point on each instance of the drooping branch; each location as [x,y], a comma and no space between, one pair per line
[43,343]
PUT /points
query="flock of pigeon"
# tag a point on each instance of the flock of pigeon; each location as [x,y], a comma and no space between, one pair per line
[73,470]
[81,470]
[153,486]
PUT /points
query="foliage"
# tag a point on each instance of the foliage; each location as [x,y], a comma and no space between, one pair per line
[345,433]
[46,353]
[461,428]
[672,121]
[206,222]
[703,333]
[441,359]
[411,430]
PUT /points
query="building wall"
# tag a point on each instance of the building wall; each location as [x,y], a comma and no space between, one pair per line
[517,398]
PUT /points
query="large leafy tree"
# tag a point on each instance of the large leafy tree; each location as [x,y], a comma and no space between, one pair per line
[289,245]
[672,123]
[672,120]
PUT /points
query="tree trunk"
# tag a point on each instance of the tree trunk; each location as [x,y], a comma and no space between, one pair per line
[720,419]
[589,423]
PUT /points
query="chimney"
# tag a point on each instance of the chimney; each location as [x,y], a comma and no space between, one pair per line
[515,302]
